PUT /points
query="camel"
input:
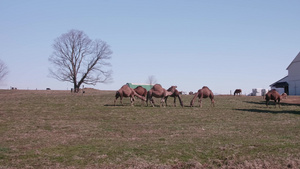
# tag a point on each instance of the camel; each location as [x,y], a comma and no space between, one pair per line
[273,95]
[141,91]
[238,92]
[284,96]
[126,91]
[175,94]
[158,92]
[203,93]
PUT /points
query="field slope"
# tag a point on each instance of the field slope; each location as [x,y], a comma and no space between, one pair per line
[58,129]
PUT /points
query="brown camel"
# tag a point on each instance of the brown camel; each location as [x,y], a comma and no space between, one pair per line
[175,94]
[284,96]
[158,92]
[273,95]
[203,93]
[126,91]
[238,92]
[141,91]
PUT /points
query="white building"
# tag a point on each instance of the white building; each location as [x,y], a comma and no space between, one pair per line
[291,83]
[258,92]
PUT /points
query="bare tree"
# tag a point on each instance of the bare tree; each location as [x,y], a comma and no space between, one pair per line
[3,70]
[151,80]
[79,60]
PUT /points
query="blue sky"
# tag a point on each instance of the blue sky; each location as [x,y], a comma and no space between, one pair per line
[221,44]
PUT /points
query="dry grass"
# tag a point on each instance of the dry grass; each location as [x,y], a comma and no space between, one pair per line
[57,129]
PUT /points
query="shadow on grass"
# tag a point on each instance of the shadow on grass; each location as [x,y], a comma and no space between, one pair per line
[138,105]
[271,110]
[259,103]
[129,105]
[124,105]
[272,103]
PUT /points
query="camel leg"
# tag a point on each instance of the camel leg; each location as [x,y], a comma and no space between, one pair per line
[166,98]
[115,101]
[212,103]
[143,102]
[162,101]
[277,102]
[132,100]
[200,102]
[267,103]
[121,100]
[180,101]
[151,101]
[175,101]
[149,98]
[147,101]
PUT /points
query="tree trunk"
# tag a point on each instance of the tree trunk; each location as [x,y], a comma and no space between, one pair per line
[76,88]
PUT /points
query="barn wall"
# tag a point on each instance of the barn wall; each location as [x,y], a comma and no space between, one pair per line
[294,87]
[294,71]
[294,78]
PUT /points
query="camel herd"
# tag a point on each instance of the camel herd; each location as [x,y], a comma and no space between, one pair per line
[158,91]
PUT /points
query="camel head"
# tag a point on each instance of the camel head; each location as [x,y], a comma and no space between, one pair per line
[144,98]
[192,103]
[193,100]
[283,96]
[172,89]
[117,94]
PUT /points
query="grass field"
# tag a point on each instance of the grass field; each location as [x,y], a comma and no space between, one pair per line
[57,129]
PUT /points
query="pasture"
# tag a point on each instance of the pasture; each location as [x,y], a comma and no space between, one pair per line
[58,129]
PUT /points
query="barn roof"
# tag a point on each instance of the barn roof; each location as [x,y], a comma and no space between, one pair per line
[144,85]
[297,59]
[280,83]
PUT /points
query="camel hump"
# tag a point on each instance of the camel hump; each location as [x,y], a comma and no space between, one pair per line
[157,87]
[141,91]
[205,88]
[124,87]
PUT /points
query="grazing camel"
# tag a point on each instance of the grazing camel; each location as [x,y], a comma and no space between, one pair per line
[273,95]
[158,92]
[141,91]
[126,91]
[175,94]
[238,92]
[203,93]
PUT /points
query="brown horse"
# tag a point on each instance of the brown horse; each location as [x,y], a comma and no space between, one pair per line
[238,92]
[273,95]
[175,94]
[158,92]
[205,92]
[126,91]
